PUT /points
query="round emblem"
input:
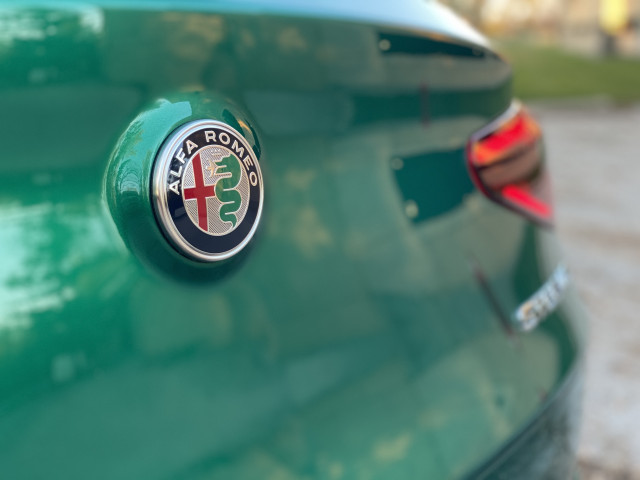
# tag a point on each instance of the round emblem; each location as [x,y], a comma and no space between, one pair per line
[207,189]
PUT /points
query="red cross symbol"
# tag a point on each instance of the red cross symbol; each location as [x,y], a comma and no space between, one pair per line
[200,192]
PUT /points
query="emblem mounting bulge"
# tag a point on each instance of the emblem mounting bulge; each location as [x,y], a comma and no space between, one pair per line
[207,190]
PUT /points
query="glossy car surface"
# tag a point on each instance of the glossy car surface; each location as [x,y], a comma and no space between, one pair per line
[363,334]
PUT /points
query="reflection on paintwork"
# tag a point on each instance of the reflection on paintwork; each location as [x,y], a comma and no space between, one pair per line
[332,351]
[27,24]
[36,41]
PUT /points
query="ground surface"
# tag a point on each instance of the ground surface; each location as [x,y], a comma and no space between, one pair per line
[594,152]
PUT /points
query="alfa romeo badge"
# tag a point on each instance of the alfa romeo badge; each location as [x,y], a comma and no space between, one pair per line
[207,190]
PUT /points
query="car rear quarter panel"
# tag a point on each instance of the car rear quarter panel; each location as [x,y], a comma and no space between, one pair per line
[354,340]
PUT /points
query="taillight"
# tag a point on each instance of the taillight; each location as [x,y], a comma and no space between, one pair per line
[506,161]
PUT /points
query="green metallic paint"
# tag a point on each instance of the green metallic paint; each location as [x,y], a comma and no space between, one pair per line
[351,340]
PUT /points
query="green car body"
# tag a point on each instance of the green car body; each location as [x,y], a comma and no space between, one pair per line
[365,331]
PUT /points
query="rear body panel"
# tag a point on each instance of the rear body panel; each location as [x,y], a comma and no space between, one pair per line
[357,338]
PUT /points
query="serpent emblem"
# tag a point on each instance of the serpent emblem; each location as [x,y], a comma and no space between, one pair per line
[226,188]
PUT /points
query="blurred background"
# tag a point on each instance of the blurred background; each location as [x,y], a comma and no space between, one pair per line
[577,65]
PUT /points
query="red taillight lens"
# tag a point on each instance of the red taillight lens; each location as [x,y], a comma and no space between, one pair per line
[506,161]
